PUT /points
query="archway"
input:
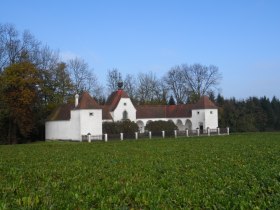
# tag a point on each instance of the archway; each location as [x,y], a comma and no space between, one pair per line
[180,125]
[188,124]
[141,126]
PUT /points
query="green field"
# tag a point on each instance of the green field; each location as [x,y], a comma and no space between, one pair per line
[224,172]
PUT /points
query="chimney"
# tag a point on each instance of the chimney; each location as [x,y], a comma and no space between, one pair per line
[76,100]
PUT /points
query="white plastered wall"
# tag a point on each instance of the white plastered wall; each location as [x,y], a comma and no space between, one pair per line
[81,123]
[91,121]
[204,117]
[211,118]
[124,104]
[64,129]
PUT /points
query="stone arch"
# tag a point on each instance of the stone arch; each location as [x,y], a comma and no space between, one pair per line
[148,122]
[141,126]
[188,124]
[171,121]
[180,125]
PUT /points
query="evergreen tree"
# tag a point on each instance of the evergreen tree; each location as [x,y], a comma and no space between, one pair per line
[171,101]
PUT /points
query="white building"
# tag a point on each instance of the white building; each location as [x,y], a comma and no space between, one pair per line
[70,122]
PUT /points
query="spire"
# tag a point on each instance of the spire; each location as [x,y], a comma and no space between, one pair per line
[120,82]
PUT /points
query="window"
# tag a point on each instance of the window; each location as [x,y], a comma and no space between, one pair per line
[125,115]
[211,112]
[197,112]
[124,104]
[91,114]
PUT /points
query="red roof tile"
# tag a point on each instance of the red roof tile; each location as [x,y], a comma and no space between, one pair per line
[63,111]
[114,99]
[106,113]
[87,102]
[204,103]
[163,111]
[142,111]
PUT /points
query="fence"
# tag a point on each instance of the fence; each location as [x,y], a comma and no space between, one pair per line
[160,134]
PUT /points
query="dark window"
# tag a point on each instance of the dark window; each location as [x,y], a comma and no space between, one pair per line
[91,114]
[125,115]
[197,112]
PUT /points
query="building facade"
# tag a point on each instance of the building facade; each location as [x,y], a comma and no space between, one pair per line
[72,121]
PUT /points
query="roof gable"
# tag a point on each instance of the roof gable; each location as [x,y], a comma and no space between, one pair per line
[115,98]
[204,103]
[87,102]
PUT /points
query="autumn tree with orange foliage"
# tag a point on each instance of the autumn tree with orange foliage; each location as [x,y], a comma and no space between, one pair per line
[19,84]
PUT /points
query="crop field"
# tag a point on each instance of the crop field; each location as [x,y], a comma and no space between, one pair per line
[222,172]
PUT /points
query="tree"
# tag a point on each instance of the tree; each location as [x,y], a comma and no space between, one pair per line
[131,86]
[12,46]
[171,101]
[161,125]
[201,79]
[83,78]
[177,84]
[113,77]
[63,85]
[151,90]
[19,88]
[47,63]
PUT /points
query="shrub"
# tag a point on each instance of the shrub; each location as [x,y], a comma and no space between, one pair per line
[161,125]
[125,126]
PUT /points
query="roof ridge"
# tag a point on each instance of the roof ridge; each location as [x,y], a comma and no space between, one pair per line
[87,102]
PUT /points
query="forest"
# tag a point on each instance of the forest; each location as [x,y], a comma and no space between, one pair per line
[34,80]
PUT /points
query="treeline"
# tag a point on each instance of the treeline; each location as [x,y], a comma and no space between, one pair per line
[252,114]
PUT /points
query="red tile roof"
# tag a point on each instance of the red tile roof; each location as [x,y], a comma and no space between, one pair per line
[112,102]
[106,113]
[87,102]
[142,111]
[173,111]
[63,111]
[114,99]
[163,111]
[204,103]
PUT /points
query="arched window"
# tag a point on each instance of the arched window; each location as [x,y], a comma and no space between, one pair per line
[125,115]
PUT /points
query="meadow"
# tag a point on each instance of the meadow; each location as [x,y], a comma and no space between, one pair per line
[239,171]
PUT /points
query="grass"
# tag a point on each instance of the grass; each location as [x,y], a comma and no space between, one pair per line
[223,172]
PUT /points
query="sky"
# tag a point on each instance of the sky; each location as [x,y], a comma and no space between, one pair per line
[240,37]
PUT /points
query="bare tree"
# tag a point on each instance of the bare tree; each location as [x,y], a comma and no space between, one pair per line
[83,78]
[151,89]
[13,47]
[201,79]
[130,86]
[177,84]
[113,77]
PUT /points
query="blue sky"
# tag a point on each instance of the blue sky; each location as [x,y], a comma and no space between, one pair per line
[241,37]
